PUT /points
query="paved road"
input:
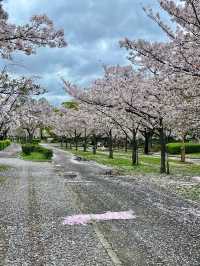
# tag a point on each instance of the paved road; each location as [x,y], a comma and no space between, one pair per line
[36,197]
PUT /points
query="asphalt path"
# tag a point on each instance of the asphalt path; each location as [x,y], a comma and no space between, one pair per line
[36,198]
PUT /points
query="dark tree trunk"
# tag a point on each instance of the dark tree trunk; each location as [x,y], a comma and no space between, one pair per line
[30,135]
[151,141]
[134,149]
[76,140]
[126,144]
[183,152]
[85,141]
[5,134]
[147,136]
[110,145]
[76,145]
[162,148]
[41,133]
[94,148]
[31,138]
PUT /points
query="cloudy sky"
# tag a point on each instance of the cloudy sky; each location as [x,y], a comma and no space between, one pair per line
[93,29]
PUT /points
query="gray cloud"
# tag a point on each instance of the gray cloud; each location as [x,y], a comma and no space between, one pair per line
[93,29]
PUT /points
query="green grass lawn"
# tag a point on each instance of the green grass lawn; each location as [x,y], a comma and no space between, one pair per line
[191,192]
[3,168]
[34,156]
[147,164]
[2,179]
[193,155]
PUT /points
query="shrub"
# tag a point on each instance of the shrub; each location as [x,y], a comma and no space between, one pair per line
[35,141]
[48,153]
[4,144]
[175,148]
[27,149]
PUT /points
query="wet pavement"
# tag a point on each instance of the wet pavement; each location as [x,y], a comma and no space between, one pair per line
[36,198]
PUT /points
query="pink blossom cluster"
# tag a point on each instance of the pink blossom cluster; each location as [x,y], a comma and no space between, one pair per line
[84,219]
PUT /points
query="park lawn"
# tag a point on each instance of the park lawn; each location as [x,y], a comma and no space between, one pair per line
[2,179]
[34,156]
[193,155]
[147,164]
[190,192]
[3,168]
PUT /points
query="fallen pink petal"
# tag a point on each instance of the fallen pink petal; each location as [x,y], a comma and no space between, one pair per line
[84,219]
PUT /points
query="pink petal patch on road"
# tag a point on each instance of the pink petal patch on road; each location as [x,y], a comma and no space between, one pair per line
[84,219]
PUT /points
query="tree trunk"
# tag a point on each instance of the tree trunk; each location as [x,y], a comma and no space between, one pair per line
[30,135]
[146,142]
[126,144]
[94,148]
[76,145]
[183,149]
[151,141]
[134,149]
[5,134]
[76,141]
[41,133]
[163,148]
[168,168]
[85,141]
[110,145]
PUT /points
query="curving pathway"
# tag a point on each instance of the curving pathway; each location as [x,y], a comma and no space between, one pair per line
[37,198]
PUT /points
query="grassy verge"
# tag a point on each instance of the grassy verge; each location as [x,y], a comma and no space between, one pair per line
[35,156]
[193,156]
[147,165]
[3,168]
[190,192]
[2,179]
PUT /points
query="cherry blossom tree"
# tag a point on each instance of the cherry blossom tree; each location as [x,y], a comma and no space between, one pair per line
[110,96]
[26,38]
[181,52]
[13,93]
[71,123]
[33,115]
[133,101]
[163,87]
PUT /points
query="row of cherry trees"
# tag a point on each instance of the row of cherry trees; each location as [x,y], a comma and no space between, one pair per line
[160,92]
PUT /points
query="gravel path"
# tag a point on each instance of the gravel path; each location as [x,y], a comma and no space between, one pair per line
[36,197]
[34,201]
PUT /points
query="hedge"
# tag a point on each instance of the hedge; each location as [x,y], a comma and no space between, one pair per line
[27,149]
[4,144]
[35,141]
[175,148]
